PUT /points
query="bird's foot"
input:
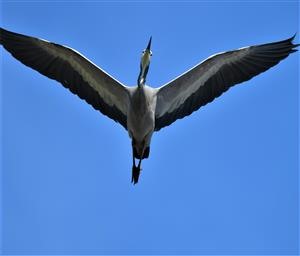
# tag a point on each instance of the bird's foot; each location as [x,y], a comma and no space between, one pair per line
[136,170]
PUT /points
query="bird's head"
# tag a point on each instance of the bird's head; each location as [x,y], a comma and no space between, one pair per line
[147,52]
[145,63]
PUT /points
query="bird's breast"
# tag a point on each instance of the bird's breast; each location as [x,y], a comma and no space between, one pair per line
[140,120]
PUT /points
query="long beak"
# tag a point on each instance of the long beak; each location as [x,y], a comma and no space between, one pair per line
[149,44]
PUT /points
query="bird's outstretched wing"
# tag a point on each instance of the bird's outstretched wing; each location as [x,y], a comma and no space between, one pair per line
[215,75]
[72,70]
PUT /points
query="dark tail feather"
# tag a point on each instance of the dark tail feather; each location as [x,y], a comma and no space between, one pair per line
[135,174]
[146,153]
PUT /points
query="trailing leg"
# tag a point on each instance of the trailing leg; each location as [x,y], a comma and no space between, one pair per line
[136,170]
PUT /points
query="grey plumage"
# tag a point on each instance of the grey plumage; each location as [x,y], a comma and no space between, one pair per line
[215,75]
[142,110]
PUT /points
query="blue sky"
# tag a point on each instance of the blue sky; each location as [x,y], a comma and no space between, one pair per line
[221,181]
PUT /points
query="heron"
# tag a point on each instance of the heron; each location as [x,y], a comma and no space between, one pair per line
[141,109]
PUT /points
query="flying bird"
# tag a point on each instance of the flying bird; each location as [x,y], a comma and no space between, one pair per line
[141,110]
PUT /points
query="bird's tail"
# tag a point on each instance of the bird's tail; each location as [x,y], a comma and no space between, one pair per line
[145,155]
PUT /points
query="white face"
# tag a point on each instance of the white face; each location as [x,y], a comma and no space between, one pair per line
[145,60]
[145,51]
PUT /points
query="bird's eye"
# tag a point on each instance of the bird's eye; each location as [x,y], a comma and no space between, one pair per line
[144,51]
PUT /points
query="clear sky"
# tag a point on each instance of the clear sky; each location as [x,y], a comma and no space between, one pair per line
[221,181]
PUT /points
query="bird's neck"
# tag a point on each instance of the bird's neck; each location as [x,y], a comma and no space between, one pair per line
[144,67]
[142,78]
[141,88]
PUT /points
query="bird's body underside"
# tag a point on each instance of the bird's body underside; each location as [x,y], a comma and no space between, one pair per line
[142,109]
[141,115]
[141,123]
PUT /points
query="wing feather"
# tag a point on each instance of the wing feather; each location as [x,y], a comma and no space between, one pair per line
[72,70]
[212,77]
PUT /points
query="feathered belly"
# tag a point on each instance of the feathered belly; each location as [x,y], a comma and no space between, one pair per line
[140,121]
[140,124]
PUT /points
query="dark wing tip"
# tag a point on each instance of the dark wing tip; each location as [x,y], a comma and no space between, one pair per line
[293,46]
[291,39]
[288,40]
[281,48]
